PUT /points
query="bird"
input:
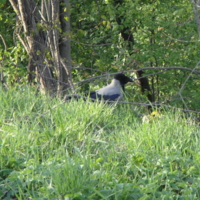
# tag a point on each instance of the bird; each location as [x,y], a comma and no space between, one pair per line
[112,92]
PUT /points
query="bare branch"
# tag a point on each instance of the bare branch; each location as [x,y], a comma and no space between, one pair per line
[26,46]
[179,40]
[188,77]
[183,85]
[86,68]
[4,43]
[22,15]
[144,68]
[169,68]
[14,5]
[91,45]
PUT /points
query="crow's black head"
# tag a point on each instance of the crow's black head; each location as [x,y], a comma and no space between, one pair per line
[122,79]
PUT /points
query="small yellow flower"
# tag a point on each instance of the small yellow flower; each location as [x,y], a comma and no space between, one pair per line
[155,114]
[150,118]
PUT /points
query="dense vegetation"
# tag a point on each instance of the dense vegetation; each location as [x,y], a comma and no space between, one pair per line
[83,150]
[164,34]
[78,150]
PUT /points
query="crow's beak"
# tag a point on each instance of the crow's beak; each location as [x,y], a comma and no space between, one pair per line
[130,80]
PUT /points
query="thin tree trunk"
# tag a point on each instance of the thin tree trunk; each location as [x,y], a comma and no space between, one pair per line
[128,36]
[65,48]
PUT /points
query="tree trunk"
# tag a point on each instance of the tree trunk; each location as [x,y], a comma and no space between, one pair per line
[127,36]
[65,49]
[41,24]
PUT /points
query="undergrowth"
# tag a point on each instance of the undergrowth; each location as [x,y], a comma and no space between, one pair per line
[83,150]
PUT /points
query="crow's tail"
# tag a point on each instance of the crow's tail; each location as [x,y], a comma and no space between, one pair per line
[73,96]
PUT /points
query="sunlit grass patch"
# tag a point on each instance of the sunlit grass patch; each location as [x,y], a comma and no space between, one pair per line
[85,150]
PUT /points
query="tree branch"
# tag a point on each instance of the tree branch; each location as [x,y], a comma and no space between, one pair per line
[22,15]
[14,5]
[169,68]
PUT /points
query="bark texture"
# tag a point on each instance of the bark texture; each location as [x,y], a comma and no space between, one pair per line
[43,30]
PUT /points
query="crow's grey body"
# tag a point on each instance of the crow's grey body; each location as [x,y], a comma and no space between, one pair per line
[112,92]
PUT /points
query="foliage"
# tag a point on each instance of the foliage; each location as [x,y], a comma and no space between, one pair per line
[84,150]
[164,32]
[13,57]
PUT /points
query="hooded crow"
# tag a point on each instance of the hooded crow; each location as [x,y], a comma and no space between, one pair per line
[112,92]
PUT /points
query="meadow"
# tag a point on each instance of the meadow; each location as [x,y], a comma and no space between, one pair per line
[83,150]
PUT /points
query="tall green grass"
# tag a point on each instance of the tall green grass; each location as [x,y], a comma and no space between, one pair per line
[84,150]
